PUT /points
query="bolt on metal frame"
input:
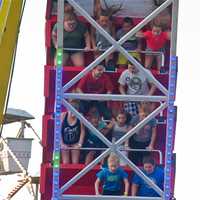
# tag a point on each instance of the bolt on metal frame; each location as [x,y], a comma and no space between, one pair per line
[58,192]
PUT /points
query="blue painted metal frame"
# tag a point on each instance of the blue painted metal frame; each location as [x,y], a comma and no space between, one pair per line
[171,117]
[57,128]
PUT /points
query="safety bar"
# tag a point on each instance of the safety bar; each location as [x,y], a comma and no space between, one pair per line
[161,54]
[113,97]
[121,149]
[104,197]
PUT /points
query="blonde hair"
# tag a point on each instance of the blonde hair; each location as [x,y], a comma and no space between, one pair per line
[113,158]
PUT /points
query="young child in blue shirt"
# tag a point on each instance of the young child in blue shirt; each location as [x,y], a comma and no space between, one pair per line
[112,178]
[156,174]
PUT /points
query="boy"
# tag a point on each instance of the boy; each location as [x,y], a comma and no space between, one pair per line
[99,42]
[112,177]
[132,44]
[92,141]
[156,174]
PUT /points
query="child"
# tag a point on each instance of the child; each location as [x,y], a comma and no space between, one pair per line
[73,133]
[153,172]
[134,82]
[75,36]
[145,138]
[119,129]
[92,141]
[99,42]
[155,40]
[112,177]
[132,44]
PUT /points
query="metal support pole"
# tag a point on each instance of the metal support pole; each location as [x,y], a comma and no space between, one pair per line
[171,112]
[114,97]
[58,104]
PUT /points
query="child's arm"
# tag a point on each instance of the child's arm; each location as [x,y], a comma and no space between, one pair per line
[96,185]
[168,35]
[93,38]
[134,189]
[82,135]
[87,41]
[153,139]
[127,141]
[54,36]
[126,188]
[152,89]
[122,89]
[140,34]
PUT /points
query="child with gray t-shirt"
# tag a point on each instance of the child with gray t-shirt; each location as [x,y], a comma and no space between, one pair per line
[134,82]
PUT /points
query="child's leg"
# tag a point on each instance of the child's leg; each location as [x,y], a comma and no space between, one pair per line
[158,61]
[65,156]
[78,59]
[75,156]
[148,61]
[90,157]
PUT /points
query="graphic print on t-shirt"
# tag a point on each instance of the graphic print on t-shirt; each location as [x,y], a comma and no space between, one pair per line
[135,83]
[70,134]
[113,178]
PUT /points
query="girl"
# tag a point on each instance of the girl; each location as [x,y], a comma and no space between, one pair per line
[73,133]
[75,36]
[119,129]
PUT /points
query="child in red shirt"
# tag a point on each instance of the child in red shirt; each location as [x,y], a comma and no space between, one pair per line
[155,41]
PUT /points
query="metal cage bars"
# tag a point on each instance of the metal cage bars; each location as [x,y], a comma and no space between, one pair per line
[112,147]
[116,45]
[73,81]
